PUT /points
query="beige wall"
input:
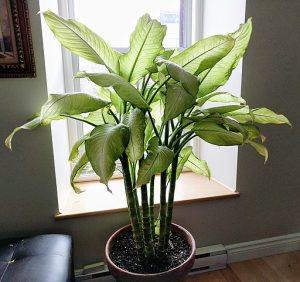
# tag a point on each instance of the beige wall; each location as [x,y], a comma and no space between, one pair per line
[270,196]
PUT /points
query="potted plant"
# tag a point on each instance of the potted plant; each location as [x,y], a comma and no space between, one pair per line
[151,103]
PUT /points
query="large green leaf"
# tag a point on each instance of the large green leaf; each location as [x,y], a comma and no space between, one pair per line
[204,54]
[136,123]
[264,116]
[189,82]
[145,45]
[79,166]
[28,126]
[83,42]
[106,144]
[123,88]
[197,166]
[70,104]
[221,71]
[261,115]
[221,97]
[224,109]
[157,160]
[177,101]
[217,134]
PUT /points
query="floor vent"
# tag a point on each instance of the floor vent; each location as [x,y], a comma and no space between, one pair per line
[206,259]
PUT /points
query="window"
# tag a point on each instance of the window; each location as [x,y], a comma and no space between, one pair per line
[187,20]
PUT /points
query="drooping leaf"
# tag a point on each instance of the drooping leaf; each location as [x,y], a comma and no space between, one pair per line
[124,89]
[221,71]
[183,157]
[106,144]
[188,81]
[70,104]
[264,116]
[224,109]
[83,42]
[145,45]
[253,132]
[222,97]
[136,123]
[204,54]
[74,154]
[80,165]
[217,134]
[28,126]
[197,166]
[177,101]
[157,160]
[157,112]
[261,149]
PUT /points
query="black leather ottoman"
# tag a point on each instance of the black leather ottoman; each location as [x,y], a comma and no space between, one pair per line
[43,258]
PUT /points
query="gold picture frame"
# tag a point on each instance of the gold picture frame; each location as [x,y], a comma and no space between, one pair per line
[16,51]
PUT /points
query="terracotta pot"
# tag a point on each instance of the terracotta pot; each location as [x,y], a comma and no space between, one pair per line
[176,274]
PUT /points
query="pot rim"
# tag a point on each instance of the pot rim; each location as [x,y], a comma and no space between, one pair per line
[193,249]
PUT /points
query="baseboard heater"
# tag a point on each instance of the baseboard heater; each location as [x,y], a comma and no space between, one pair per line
[206,259]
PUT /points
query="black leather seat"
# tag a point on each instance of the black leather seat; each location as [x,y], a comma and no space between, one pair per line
[43,258]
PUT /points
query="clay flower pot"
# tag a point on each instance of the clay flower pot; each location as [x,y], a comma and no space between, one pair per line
[176,274]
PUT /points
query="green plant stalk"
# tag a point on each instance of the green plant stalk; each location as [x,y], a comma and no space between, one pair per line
[149,245]
[151,206]
[162,212]
[171,200]
[132,209]
[163,205]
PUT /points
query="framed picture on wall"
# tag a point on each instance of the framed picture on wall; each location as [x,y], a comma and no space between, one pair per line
[16,51]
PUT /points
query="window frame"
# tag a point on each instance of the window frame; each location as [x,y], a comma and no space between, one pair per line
[190,11]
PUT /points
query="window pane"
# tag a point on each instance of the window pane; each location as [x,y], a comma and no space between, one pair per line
[115,20]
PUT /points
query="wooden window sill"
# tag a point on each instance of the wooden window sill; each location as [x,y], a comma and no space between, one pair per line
[190,188]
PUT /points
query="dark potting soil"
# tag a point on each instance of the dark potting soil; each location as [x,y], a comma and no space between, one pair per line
[123,254]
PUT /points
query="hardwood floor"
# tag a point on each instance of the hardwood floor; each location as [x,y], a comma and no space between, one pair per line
[277,268]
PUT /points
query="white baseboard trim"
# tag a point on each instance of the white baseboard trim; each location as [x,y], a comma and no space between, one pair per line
[263,247]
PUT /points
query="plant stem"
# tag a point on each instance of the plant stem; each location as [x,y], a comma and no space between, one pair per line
[163,210]
[115,117]
[154,127]
[149,245]
[163,204]
[171,200]
[132,209]
[151,206]
[156,91]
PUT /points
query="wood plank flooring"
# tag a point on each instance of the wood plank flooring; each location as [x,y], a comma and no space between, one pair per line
[277,268]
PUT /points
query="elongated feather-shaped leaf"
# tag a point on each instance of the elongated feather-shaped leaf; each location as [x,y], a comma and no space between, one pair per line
[122,87]
[157,160]
[28,126]
[220,72]
[106,144]
[221,97]
[70,104]
[136,123]
[145,45]
[264,116]
[79,166]
[204,54]
[83,42]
